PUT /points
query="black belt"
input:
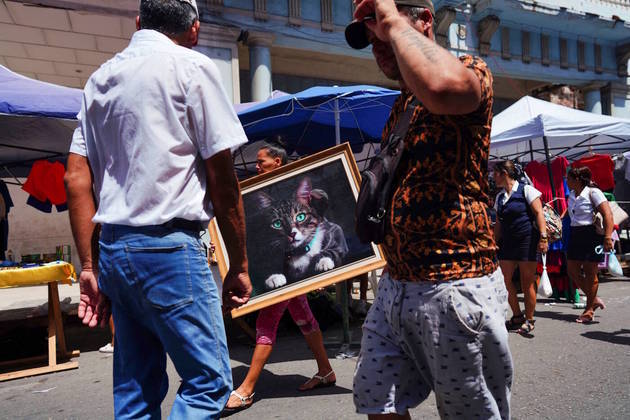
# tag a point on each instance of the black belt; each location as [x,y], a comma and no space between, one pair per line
[183,224]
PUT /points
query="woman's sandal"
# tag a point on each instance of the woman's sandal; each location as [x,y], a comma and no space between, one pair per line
[585,318]
[527,327]
[322,382]
[244,404]
[515,322]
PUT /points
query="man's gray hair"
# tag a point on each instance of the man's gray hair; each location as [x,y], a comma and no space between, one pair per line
[170,17]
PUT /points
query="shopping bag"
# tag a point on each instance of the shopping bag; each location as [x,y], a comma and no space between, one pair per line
[544,287]
[613,266]
[619,214]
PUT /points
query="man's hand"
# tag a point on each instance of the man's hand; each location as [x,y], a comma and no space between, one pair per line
[386,16]
[237,288]
[94,307]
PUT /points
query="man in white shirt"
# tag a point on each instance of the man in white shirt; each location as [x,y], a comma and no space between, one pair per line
[151,162]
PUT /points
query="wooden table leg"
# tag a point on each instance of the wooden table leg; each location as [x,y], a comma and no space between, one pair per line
[61,335]
[55,329]
[52,328]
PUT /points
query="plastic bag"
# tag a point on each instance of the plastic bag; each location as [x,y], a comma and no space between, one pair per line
[613,266]
[544,287]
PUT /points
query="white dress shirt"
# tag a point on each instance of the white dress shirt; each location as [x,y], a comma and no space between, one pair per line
[530,193]
[149,118]
[581,208]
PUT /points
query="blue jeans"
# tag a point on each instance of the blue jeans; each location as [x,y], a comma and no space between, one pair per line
[164,300]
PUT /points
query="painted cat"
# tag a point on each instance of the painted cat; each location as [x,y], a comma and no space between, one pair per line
[311,243]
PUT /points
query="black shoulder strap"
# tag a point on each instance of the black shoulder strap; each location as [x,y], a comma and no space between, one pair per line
[402,125]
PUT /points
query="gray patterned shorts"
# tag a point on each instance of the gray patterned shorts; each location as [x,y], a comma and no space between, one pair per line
[447,337]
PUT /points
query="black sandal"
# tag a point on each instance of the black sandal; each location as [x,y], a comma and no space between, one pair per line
[515,322]
[527,327]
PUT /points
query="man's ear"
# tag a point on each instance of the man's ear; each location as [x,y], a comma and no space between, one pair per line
[138,22]
[426,20]
[193,33]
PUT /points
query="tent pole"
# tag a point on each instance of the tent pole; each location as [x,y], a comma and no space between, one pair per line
[531,151]
[548,159]
[337,123]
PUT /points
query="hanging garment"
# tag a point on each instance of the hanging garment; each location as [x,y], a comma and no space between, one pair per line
[45,185]
[539,175]
[4,218]
[601,167]
[8,203]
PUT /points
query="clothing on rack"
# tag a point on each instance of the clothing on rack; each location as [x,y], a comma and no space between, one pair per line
[602,167]
[45,186]
[537,171]
[4,218]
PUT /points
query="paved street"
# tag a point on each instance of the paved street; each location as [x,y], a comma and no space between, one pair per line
[566,371]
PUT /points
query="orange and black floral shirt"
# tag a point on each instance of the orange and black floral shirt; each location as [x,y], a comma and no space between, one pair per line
[438,226]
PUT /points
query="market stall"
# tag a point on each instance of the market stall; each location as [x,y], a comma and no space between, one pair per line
[51,275]
[546,139]
[36,124]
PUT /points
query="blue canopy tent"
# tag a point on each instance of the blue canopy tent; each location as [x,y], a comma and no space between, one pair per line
[36,119]
[320,117]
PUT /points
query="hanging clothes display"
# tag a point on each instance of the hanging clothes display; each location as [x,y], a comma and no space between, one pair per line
[4,218]
[45,186]
[537,171]
[602,167]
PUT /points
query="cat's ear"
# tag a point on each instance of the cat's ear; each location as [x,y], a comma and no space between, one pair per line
[303,193]
[319,201]
[263,200]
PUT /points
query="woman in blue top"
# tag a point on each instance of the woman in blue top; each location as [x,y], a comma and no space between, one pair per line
[585,199]
[521,234]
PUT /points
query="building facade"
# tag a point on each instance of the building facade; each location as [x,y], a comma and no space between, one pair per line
[289,45]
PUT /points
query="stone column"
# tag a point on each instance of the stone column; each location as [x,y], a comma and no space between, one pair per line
[593,99]
[259,44]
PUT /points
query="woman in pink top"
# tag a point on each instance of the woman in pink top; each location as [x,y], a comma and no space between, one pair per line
[269,158]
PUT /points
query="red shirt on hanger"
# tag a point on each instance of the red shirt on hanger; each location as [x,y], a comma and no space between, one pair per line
[45,182]
[602,167]
[539,175]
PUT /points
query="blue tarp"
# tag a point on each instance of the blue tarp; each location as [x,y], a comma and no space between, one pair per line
[20,95]
[36,120]
[306,120]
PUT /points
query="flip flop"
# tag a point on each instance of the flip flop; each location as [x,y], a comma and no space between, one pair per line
[527,327]
[244,405]
[585,318]
[322,382]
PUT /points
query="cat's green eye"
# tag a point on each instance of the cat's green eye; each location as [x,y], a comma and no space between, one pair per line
[300,217]
[276,224]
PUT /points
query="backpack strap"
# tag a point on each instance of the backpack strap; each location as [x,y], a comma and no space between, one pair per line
[402,125]
[395,147]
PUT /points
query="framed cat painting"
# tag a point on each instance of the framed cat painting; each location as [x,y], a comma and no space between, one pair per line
[300,229]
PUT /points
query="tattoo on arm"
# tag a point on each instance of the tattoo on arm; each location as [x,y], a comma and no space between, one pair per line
[413,38]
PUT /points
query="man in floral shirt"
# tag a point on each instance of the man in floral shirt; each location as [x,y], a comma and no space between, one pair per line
[438,321]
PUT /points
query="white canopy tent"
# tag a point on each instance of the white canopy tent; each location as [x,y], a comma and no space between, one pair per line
[528,127]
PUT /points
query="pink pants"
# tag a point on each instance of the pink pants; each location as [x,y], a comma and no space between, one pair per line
[269,317]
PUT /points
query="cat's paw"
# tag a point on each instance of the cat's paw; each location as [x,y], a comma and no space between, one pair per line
[275,281]
[325,264]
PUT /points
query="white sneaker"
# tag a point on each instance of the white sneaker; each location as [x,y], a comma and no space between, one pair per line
[107,348]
